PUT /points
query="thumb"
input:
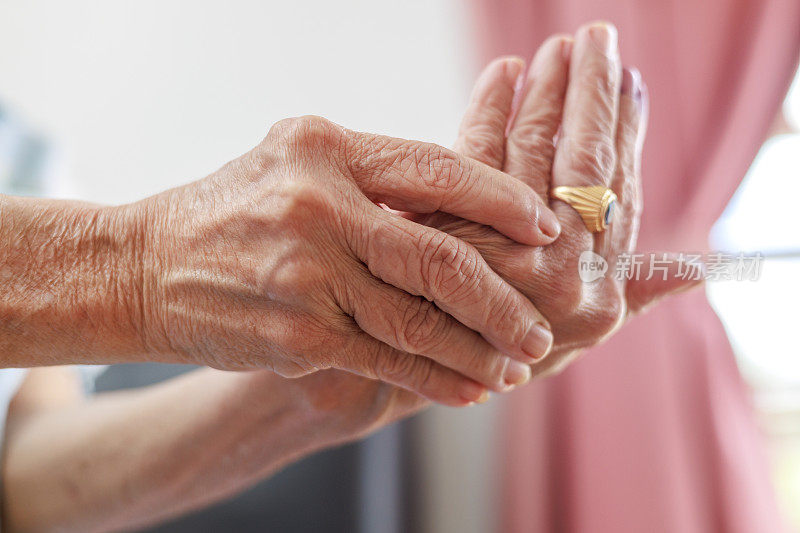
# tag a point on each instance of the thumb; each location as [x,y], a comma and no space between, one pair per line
[668,274]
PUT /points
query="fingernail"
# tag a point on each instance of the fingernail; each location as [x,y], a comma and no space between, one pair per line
[473,392]
[632,83]
[514,67]
[642,95]
[538,341]
[516,374]
[548,223]
[566,48]
[604,35]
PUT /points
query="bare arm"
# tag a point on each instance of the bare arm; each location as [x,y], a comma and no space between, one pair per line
[64,268]
[130,458]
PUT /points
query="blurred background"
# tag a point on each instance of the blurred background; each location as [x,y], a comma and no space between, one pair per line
[134,98]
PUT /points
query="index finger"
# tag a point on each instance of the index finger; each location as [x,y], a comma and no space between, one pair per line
[586,151]
[425,178]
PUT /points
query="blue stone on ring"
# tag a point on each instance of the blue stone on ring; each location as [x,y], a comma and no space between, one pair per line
[609,214]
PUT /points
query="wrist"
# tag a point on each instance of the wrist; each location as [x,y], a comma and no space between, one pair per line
[156,238]
[116,252]
[69,270]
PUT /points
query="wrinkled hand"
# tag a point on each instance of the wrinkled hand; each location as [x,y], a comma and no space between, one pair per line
[581,314]
[599,138]
[284,259]
[595,112]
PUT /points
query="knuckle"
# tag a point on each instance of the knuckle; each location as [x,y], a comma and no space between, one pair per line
[613,313]
[593,156]
[395,369]
[280,128]
[408,369]
[493,367]
[450,266]
[421,327]
[303,134]
[422,374]
[481,143]
[438,167]
[628,132]
[308,339]
[506,318]
[601,320]
[534,151]
[600,81]
[530,139]
[372,155]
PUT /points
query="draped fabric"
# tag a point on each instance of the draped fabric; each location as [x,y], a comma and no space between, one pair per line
[655,431]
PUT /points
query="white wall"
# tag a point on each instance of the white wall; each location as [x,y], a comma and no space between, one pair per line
[148,94]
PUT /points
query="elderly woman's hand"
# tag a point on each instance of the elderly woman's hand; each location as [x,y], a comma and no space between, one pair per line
[599,139]
[581,314]
[283,259]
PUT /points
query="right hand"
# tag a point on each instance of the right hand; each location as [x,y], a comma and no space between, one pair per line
[284,259]
[577,123]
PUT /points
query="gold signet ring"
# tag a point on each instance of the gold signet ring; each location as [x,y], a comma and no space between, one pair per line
[594,204]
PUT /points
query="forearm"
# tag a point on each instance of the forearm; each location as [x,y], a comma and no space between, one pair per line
[127,459]
[69,272]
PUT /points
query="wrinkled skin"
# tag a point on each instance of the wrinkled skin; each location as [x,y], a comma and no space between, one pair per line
[262,263]
[598,144]
[284,259]
[586,86]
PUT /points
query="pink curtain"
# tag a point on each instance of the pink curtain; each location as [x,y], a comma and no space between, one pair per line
[654,431]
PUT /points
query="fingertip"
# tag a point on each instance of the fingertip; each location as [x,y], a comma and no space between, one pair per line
[631,83]
[513,68]
[540,225]
[548,224]
[455,391]
[506,70]
[556,47]
[545,224]
[602,34]
[470,392]
[566,47]
[516,374]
